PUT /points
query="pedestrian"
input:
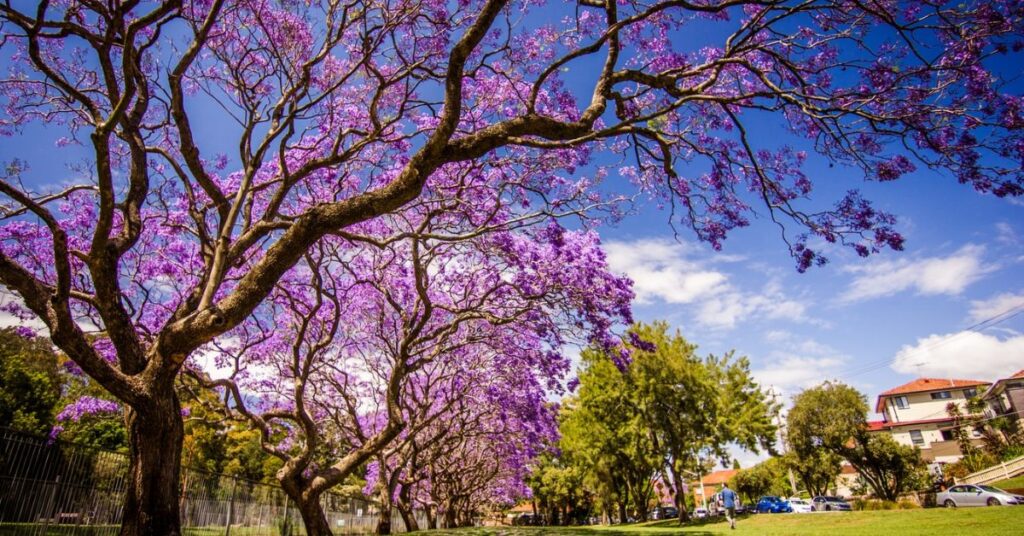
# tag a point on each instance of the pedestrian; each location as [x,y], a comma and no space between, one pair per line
[729,500]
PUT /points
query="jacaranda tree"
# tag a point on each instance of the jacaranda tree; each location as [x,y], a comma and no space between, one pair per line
[213,143]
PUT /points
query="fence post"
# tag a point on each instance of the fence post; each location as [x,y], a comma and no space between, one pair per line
[231,507]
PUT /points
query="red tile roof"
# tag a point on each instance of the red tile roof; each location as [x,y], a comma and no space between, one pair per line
[1019,374]
[923,385]
[876,426]
[715,479]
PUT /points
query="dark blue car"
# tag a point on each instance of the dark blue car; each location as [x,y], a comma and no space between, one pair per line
[773,505]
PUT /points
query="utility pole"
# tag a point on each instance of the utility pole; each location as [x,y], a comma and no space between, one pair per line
[782,438]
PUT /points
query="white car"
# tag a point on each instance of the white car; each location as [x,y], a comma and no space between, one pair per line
[800,506]
[700,513]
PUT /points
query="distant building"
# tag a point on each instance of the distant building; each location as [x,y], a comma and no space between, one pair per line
[1005,398]
[712,484]
[915,414]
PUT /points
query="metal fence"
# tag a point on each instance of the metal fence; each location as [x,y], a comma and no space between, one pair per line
[54,487]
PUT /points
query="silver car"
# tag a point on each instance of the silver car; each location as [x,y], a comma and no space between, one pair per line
[976,495]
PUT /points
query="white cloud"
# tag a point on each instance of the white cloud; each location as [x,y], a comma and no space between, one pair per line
[966,354]
[1006,234]
[804,363]
[982,310]
[928,276]
[660,271]
[664,271]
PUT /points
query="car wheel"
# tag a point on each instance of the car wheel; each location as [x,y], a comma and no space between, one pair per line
[992,501]
[828,508]
[949,503]
[812,509]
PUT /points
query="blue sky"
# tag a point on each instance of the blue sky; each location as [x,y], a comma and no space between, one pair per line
[874,323]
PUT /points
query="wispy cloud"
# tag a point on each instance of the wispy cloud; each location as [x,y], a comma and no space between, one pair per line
[982,310]
[803,363]
[673,273]
[928,276]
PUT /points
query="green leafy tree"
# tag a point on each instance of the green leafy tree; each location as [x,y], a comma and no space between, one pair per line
[816,470]
[833,418]
[666,412]
[29,383]
[766,478]
[695,407]
[603,428]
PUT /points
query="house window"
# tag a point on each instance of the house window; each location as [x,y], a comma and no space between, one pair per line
[947,435]
[917,437]
[901,402]
[941,395]
[970,393]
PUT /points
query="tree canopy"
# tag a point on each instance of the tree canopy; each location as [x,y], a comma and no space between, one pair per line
[213,145]
[661,418]
[832,419]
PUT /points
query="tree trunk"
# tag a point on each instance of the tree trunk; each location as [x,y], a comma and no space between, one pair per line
[384,522]
[312,513]
[313,517]
[155,435]
[405,509]
[679,495]
[431,517]
[622,512]
[449,516]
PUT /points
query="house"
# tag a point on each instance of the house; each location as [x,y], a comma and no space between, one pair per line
[846,482]
[709,485]
[915,414]
[1005,398]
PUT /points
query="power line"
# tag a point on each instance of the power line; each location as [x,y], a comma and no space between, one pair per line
[977,327]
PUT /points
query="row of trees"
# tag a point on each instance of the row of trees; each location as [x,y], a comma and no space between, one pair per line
[654,422]
[329,199]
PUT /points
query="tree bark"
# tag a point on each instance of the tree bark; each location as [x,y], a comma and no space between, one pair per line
[155,436]
[313,517]
[680,496]
[308,503]
[431,517]
[384,522]
[405,509]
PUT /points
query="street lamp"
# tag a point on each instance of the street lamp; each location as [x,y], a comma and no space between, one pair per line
[700,477]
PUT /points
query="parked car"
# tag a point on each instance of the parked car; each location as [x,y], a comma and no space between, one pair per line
[700,513]
[773,505]
[800,506]
[972,495]
[664,512]
[528,519]
[824,503]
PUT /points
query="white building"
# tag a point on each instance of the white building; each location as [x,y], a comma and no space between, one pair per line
[915,414]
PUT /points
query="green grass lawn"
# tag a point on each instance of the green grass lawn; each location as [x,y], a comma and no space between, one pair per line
[930,522]
[1016,482]
[36,529]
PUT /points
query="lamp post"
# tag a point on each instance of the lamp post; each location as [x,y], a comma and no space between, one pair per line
[700,477]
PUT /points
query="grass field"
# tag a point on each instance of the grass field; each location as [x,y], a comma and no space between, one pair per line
[36,529]
[929,522]
[1016,482]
